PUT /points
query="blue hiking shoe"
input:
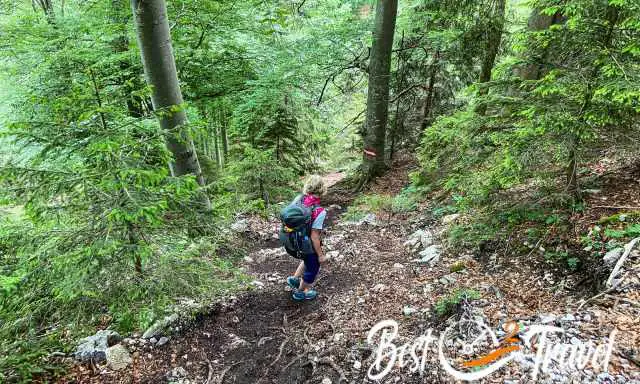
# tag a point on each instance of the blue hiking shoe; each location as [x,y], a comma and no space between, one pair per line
[299,295]
[293,282]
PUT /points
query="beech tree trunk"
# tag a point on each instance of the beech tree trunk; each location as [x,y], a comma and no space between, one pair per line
[378,91]
[154,39]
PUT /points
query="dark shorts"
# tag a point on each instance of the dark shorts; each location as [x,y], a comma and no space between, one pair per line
[311,266]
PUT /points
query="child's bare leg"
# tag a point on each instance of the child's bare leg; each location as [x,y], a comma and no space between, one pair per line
[300,270]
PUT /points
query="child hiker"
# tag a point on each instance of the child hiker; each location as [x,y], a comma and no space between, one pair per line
[302,224]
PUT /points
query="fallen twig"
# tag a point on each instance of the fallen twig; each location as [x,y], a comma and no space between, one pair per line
[628,357]
[292,362]
[263,340]
[280,352]
[210,375]
[624,300]
[627,250]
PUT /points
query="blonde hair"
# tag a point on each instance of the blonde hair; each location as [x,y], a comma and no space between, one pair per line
[314,186]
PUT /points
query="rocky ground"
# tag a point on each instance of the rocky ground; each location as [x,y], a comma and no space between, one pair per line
[382,268]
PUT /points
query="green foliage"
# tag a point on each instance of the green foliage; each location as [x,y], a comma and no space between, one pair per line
[99,232]
[449,304]
[407,200]
[365,204]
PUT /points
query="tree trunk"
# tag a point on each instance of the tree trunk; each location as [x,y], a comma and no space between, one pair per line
[573,185]
[378,90]
[399,86]
[154,39]
[215,142]
[223,137]
[534,70]
[494,37]
[428,101]
[47,7]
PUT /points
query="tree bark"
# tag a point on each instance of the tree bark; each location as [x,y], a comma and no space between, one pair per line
[47,8]
[494,38]
[399,86]
[538,22]
[428,101]
[223,137]
[154,39]
[378,89]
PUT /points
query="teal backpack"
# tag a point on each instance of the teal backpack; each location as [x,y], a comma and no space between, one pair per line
[295,232]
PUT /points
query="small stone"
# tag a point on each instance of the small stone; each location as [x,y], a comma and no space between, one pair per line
[332,255]
[240,226]
[337,337]
[158,327]
[611,257]
[430,255]
[248,259]
[163,340]
[257,284]
[548,318]
[118,357]
[408,311]
[94,347]
[568,317]
[379,287]
[450,218]
[326,380]
[447,279]
[177,373]
[575,341]
[153,340]
[398,266]
[357,364]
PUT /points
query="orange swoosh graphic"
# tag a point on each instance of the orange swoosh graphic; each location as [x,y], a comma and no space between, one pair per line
[491,356]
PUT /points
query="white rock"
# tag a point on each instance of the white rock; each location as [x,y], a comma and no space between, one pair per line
[357,364]
[118,357]
[379,287]
[326,380]
[611,257]
[408,311]
[430,255]
[248,259]
[370,219]
[568,317]
[159,326]
[332,254]
[398,266]
[450,218]
[240,226]
[163,340]
[547,318]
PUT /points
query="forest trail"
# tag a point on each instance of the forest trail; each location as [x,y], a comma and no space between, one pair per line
[263,336]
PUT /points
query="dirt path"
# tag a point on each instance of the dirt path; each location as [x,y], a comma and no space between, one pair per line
[263,336]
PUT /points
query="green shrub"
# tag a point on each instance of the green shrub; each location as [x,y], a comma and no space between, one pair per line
[448,305]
